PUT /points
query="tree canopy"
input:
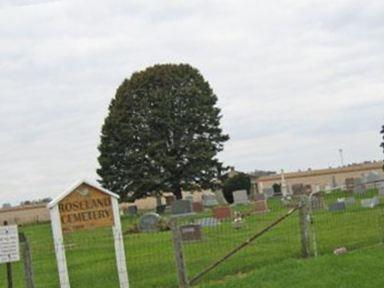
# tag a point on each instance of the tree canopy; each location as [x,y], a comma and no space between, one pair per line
[162,133]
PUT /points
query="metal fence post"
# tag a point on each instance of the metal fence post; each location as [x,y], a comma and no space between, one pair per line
[9,267]
[27,259]
[179,256]
[304,226]
[9,275]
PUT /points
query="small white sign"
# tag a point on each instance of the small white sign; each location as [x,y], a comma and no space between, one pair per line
[9,244]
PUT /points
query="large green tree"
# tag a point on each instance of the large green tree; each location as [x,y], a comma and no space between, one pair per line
[162,133]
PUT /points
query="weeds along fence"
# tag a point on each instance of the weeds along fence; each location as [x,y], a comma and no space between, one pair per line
[151,256]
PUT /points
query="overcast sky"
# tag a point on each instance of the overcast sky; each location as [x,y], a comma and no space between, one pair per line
[296,80]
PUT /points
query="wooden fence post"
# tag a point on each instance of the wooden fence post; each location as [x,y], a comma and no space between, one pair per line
[179,256]
[304,226]
[27,259]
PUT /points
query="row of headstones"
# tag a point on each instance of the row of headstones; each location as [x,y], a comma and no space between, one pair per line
[220,211]
[342,203]
[217,202]
[208,200]
[356,185]
[359,185]
[182,207]
[352,184]
[149,221]
[241,197]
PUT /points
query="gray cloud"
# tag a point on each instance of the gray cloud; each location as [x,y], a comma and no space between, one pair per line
[296,80]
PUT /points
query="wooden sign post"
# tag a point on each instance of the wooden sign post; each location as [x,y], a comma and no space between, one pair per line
[86,206]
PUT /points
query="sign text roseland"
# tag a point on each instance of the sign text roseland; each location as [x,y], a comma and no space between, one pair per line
[85,208]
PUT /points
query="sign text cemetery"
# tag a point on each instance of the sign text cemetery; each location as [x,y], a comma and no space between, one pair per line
[87,208]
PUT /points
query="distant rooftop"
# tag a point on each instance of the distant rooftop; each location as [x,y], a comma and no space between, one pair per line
[365,166]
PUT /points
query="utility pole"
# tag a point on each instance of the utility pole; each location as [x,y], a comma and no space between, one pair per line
[341,157]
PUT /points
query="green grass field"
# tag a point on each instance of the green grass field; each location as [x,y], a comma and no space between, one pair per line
[360,268]
[273,260]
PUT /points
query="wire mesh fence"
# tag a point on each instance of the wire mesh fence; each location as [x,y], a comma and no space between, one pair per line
[207,237]
[348,220]
[219,237]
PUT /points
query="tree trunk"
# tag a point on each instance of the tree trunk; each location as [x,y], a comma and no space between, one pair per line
[177,192]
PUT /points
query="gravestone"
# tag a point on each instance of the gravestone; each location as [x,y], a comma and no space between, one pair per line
[350,201]
[261,206]
[240,197]
[359,186]
[207,222]
[372,177]
[161,209]
[349,184]
[338,206]
[197,207]
[149,222]
[298,189]
[375,201]
[223,212]
[259,197]
[181,207]
[341,199]
[191,232]
[209,200]
[169,199]
[131,210]
[220,197]
[370,202]
[268,192]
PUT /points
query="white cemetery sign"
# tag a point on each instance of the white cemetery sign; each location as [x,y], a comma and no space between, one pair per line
[86,206]
[9,244]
